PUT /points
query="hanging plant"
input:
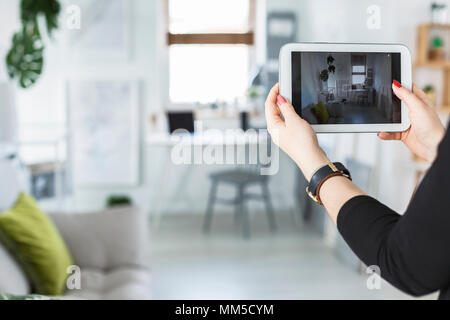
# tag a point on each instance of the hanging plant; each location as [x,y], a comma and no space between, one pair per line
[325,73]
[25,59]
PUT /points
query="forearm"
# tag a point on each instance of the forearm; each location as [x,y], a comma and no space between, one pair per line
[336,191]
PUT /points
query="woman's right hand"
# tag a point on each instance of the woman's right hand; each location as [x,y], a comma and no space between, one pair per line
[426,131]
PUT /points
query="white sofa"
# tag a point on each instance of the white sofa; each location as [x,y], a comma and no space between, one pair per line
[111,249]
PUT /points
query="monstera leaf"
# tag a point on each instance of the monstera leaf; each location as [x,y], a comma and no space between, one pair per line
[25,59]
[31,9]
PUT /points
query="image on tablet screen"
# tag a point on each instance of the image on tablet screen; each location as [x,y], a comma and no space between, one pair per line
[345,87]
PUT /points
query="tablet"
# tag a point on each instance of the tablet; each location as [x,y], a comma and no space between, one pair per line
[346,87]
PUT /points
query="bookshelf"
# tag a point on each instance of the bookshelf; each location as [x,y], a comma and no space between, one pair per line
[423,61]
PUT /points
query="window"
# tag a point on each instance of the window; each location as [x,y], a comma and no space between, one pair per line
[358,69]
[209,49]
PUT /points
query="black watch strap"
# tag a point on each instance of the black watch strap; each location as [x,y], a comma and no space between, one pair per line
[322,174]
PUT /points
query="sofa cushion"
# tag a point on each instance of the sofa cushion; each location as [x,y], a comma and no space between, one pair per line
[33,239]
[119,284]
[106,240]
[12,278]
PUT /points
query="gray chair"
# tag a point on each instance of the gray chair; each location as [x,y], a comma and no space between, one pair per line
[241,179]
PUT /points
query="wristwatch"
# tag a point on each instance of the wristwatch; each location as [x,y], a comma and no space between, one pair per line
[322,175]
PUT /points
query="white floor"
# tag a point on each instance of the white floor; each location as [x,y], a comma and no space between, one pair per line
[294,263]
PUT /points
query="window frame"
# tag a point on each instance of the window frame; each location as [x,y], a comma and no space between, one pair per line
[355,65]
[248,39]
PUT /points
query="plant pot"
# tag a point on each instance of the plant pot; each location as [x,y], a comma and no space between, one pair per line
[432,96]
[437,54]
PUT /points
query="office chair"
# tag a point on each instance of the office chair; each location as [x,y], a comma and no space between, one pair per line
[241,179]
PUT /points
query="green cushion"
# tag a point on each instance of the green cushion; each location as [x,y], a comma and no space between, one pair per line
[33,239]
[321,113]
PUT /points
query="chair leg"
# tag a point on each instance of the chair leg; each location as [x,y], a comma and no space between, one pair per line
[269,207]
[242,212]
[210,208]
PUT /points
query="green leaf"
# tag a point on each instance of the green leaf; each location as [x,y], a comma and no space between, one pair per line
[25,59]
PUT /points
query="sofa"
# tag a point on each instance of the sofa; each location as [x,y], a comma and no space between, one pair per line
[110,248]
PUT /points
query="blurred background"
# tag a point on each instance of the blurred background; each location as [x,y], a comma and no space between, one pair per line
[85,118]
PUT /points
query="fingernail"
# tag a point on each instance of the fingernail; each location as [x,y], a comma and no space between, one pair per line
[281,100]
[397,84]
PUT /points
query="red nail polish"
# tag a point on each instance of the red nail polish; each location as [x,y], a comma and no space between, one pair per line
[281,100]
[397,84]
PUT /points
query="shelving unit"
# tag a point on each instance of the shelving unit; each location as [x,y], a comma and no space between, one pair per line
[423,61]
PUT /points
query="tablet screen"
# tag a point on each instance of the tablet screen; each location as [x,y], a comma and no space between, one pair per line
[345,87]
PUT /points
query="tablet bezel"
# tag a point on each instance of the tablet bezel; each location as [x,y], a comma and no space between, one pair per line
[406,78]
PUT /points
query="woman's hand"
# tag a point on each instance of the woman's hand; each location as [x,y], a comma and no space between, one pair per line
[426,131]
[293,134]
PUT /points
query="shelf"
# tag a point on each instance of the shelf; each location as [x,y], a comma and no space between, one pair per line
[435,26]
[433,64]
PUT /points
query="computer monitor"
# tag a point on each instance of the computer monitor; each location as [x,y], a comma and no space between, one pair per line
[181,120]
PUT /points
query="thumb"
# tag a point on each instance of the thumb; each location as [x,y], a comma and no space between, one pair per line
[286,109]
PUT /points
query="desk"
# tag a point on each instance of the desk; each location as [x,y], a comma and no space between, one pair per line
[228,138]
[355,93]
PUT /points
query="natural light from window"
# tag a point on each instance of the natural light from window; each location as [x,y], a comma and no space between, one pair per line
[204,73]
[208,73]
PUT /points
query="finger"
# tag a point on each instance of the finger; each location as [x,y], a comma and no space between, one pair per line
[273,116]
[422,96]
[390,136]
[286,109]
[407,96]
[272,97]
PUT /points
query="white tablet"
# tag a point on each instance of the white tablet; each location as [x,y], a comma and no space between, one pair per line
[346,87]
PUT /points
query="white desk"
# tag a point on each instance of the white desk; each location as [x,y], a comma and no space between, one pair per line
[212,138]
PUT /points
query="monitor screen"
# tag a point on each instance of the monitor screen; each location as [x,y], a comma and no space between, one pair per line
[181,120]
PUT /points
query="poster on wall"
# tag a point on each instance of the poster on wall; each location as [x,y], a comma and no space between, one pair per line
[104,121]
[104,30]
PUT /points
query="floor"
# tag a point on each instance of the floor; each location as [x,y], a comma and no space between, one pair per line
[293,263]
[352,113]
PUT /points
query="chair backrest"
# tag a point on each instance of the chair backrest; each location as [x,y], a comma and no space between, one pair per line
[250,166]
[342,88]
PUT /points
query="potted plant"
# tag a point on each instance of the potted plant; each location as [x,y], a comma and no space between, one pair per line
[325,73]
[439,12]
[431,93]
[437,51]
[25,59]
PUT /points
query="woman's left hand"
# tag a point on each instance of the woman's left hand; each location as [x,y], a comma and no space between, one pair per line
[293,135]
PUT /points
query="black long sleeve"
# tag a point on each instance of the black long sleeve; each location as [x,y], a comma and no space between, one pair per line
[413,250]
